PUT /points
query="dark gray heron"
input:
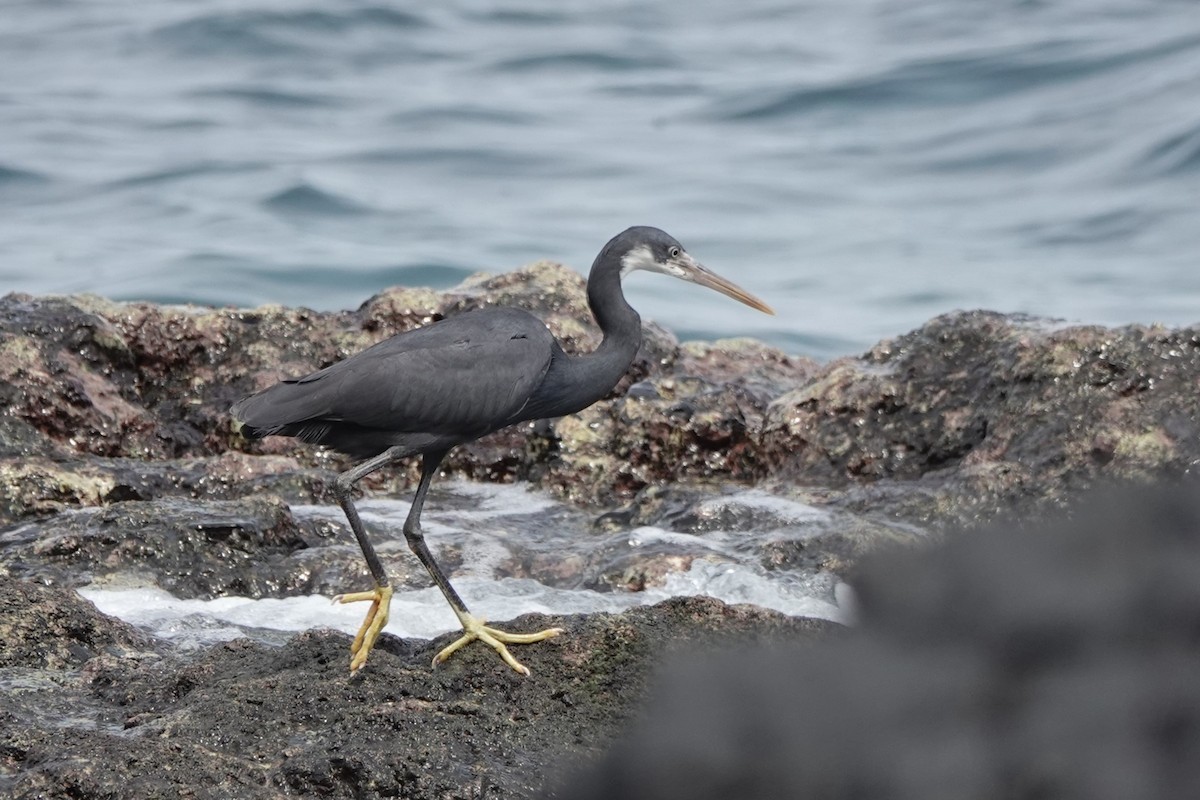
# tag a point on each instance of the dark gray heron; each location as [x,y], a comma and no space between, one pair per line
[424,391]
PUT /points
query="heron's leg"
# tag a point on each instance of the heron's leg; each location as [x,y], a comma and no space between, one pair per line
[381,596]
[416,540]
[473,628]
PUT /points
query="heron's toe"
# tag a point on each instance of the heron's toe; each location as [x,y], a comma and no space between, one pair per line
[496,639]
[373,624]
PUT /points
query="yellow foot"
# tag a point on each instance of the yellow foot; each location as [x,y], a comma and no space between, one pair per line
[377,617]
[475,629]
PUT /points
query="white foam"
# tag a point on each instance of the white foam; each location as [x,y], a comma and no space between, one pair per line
[781,507]
[424,614]
[488,500]
[490,525]
[648,535]
[502,499]
[735,584]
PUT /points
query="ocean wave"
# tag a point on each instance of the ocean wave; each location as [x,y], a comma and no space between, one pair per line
[465,113]
[479,162]
[857,163]
[591,61]
[1111,225]
[1174,154]
[955,80]
[278,33]
[184,171]
[371,279]
[263,97]
[13,176]
[307,200]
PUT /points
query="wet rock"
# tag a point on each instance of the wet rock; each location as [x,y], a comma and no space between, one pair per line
[809,530]
[48,628]
[19,439]
[191,549]
[1056,661]
[762,370]
[963,419]
[954,421]
[975,412]
[38,486]
[118,464]
[686,430]
[249,720]
[837,546]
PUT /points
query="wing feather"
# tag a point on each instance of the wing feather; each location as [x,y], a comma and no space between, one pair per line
[465,375]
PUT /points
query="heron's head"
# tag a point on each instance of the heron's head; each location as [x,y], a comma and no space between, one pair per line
[653,250]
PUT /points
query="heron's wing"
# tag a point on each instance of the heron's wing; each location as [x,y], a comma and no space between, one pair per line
[463,376]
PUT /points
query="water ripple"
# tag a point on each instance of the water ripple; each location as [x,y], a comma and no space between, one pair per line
[585,60]
[14,177]
[194,169]
[1105,226]
[306,200]
[1175,154]
[265,98]
[949,81]
[278,33]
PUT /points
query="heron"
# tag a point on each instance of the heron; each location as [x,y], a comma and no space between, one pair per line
[426,390]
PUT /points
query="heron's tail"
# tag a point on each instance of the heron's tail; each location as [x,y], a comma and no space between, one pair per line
[241,421]
[284,409]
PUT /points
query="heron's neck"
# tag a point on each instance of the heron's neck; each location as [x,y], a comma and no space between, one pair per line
[620,324]
[584,379]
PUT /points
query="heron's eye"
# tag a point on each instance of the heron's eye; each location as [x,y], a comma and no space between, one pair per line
[673,252]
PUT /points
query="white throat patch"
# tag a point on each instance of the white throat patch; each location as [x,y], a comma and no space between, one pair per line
[642,258]
[639,257]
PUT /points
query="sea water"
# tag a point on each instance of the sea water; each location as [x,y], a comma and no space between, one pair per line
[862,166]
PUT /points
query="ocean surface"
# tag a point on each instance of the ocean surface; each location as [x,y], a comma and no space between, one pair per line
[863,166]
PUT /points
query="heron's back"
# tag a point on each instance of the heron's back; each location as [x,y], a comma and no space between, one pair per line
[425,389]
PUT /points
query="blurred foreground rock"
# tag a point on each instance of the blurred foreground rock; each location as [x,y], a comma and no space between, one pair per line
[1055,661]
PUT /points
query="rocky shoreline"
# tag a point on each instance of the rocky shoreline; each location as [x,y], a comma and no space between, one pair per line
[117,458]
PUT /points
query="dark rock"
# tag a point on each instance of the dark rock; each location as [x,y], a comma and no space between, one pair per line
[810,532]
[191,549]
[953,422]
[249,720]
[975,412]
[40,486]
[118,462]
[50,628]
[1051,661]
[971,415]
[93,382]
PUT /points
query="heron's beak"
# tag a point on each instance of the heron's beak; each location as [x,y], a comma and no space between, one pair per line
[695,272]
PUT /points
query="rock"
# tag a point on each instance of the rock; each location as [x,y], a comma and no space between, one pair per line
[93,382]
[250,720]
[118,464]
[957,422]
[807,530]
[47,628]
[205,549]
[1056,660]
[977,412]
[953,422]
